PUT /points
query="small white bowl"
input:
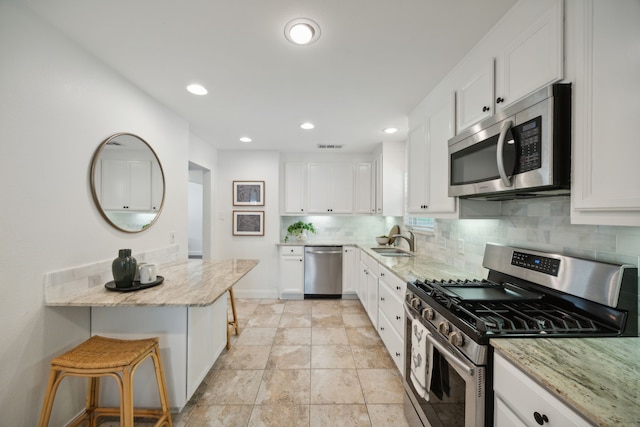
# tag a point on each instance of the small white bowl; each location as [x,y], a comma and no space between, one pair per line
[382,240]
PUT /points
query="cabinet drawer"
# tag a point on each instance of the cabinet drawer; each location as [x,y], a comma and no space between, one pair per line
[392,307]
[525,397]
[292,250]
[372,264]
[393,341]
[396,284]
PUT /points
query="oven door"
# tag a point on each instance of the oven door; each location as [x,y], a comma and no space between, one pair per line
[457,391]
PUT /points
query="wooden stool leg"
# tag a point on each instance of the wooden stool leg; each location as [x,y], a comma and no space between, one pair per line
[126,391]
[162,387]
[233,323]
[93,397]
[49,396]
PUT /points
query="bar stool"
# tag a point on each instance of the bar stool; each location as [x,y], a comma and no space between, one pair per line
[101,357]
[232,323]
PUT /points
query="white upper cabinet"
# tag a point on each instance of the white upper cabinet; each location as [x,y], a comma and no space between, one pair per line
[127,185]
[330,188]
[603,61]
[389,179]
[429,161]
[533,59]
[294,187]
[475,97]
[365,195]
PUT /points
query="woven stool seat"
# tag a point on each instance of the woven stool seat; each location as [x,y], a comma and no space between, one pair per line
[98,357]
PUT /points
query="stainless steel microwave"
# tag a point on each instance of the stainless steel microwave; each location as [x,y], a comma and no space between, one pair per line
[522,151]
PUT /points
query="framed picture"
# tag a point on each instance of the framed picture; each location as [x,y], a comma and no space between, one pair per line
[248,223]
[248,193]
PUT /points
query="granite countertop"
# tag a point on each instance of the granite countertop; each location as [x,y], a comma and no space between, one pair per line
[598,377]
[194,283]
[416,267]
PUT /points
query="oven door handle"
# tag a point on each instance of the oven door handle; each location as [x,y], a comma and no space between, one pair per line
[506,126]
[452,358]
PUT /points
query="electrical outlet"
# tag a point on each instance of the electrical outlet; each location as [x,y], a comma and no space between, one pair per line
[461,246]
[172,237]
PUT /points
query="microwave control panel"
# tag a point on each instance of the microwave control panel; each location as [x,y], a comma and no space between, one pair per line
[529,136]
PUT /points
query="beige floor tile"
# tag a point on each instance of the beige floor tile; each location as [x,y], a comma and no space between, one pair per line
[256,336]
[290,357]
[326,320]
[329,336]
[246,357]
[334,386]
[238,387]
[355,320]
[264,321]
[220,415]
[284,387]
[381,385]
[363,336]
[387,415]
[353,308]
[339,415]
[371,357]
[298,307]
[275,308]
[295,321]
[331,357]
[293,336]
[245,306]
[326,307]
[280,416]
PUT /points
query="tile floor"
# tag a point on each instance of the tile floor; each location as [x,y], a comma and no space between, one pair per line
[300,363]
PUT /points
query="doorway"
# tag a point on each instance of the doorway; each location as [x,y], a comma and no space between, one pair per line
[199,227]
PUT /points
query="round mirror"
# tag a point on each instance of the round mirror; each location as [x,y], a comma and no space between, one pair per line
[127,182]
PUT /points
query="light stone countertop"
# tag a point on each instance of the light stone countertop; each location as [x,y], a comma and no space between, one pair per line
[194,283]
[597,377]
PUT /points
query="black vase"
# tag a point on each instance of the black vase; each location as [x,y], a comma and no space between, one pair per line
[124,269]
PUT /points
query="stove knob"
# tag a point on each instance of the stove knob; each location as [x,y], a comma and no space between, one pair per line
[415,302]
[456,338]
[444,328]
[428,313]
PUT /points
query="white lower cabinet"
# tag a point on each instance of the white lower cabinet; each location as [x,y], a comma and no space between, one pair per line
[292,272]
[391,323]
[350,264]
[520,401]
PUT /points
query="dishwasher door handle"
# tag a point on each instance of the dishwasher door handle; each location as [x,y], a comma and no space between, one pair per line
[324,252]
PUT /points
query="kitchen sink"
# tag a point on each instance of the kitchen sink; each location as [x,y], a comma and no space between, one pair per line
[391,252]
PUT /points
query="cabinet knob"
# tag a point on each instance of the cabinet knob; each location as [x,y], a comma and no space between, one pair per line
[398,317]
[382,299]
[382,329]
[399,288]
[540,418]
[301,210]
[485,109]
[300,259]
[382,274]
[398,354]
[499,100]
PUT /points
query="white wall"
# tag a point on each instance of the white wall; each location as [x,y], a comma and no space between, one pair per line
[57,103]
[262,281]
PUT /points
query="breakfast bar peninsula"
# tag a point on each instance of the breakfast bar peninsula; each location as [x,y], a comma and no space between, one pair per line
[188,312]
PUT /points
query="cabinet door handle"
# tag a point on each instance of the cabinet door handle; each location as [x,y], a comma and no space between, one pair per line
[398,317]
[399,288]
[382,299]
[499,100]
[382,329]
[397,354]
[485,109]
[540,418]
[382,274]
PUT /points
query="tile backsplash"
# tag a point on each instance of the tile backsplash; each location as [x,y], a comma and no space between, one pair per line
[343,229]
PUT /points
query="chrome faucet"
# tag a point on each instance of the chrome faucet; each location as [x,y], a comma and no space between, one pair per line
[411,240]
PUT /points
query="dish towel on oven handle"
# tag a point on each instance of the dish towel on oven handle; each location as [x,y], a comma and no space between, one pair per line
[421,359]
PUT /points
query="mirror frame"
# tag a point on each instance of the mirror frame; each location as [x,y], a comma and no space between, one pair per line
[94,190]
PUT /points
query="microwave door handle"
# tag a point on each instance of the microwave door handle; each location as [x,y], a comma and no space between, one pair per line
[500,155]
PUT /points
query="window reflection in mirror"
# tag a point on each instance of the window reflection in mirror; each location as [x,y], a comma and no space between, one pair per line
[127,182]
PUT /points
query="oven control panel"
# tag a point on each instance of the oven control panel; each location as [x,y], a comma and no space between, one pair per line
[536,263]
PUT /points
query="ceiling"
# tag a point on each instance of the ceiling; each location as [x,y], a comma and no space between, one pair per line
[375,60]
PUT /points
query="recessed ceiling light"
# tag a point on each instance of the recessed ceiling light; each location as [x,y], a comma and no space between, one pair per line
[245,139]
[307,126]
[302,31]
[197,89]
[390,131]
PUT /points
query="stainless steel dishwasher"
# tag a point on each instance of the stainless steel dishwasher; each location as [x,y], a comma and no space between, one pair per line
[323,272]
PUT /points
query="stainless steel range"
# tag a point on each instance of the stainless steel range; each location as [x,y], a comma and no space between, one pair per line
[448,371]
